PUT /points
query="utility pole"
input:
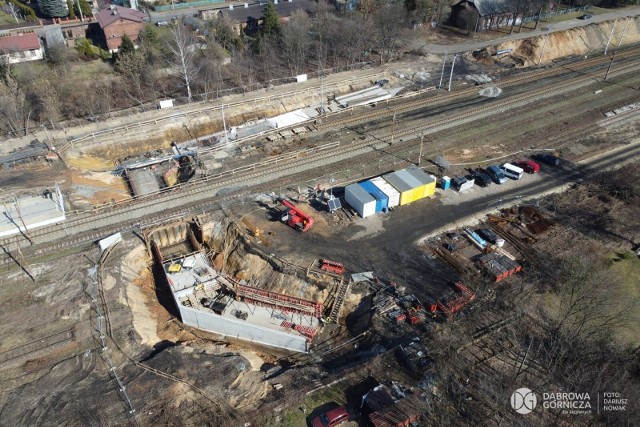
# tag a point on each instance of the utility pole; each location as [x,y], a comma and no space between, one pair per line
[623,31]
[444,61]
[224,124]
[617,46]
[22,263]
[26,231]
[321,94]
[609,40]
[451,75]
[610,64]
[393,127]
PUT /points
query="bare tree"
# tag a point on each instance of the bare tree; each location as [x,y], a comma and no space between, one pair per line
[211,69]
[15,107]
[183,53]
[389,20]
[13,10]
[44,97]
[296,41]
[131,67]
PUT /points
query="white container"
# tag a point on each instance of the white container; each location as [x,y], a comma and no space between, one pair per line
[388,190]
[361,201]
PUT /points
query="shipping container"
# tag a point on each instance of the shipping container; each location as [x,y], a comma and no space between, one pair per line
[425,179]
[409,188]
[388,190]
[382,201]
[361,201]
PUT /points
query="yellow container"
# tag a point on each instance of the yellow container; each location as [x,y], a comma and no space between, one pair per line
[175,268]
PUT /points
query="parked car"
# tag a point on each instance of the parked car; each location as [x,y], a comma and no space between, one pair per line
[381,82]
[162,23]
[529,166]
[487,234]
[482,179]
[496,174]
[585,16]
[548,159]
[458,182]
[331,418]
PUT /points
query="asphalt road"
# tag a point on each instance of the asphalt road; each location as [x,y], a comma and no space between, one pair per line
[544,27]
[392,252]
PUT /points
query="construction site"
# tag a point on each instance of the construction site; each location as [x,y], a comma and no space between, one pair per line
[396,254]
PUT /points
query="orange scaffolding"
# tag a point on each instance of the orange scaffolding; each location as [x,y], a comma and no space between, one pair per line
[278,301]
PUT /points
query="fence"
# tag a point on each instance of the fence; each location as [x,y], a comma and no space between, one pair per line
[187,5]
[197,99]
[544,16]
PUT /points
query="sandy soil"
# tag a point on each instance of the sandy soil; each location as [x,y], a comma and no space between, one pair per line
[97,188]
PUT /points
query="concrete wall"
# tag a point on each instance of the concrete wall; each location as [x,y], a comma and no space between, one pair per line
[241,330]
[170,235]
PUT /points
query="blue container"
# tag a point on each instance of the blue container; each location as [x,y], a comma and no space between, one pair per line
[382,201]
[445,182]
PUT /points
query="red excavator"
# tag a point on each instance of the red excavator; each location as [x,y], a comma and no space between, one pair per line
[295,218]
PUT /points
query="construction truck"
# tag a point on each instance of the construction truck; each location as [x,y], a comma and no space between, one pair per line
[295,218]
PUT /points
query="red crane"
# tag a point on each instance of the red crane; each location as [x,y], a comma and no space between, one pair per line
[295,218]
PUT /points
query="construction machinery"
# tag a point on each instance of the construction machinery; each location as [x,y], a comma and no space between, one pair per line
[295,218]
[242,315]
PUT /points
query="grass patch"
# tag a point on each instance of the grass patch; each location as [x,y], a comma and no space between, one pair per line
[92,69]
[7,18]
[296,415]
[626,268]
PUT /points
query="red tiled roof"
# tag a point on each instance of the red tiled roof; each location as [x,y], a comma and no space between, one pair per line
[107,17]
[19,42]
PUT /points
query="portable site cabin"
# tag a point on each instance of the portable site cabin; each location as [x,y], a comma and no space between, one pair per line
[360,200]
[425,179]
[410,188]
[445,182]
[382,201]
[388,190]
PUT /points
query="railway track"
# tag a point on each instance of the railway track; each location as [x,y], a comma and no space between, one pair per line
[511,81]
[130,211]
[137,128]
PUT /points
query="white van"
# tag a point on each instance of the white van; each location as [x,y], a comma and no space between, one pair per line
[512,171]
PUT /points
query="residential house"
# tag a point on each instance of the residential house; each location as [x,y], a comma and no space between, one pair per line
[479,15]
[21,47]
[117,21]
[249,16]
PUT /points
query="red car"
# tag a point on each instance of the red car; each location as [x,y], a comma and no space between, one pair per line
[529,166]
[331,418]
